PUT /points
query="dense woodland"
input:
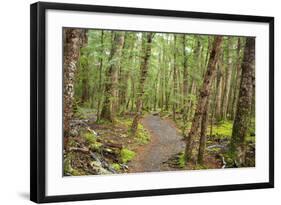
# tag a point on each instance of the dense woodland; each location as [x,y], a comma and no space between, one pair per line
[125,92]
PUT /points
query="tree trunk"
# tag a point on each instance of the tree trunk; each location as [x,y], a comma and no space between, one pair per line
[185,79]
[175,78]
[126,65]
[204,125]
[146,52]
[74,39]
[219,94]
[109,104]
[238,79]
[243,113]
[100,77]
[204,93]
[227,81]
[85,81]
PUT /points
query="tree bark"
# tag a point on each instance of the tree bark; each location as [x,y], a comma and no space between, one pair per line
[203,132]
[238,79]
[175,78]
[204,93]
[219,93]
[185,80]
[146,52]
[243,113]
[109,104]
[74,39]
[100,76]
[227,81]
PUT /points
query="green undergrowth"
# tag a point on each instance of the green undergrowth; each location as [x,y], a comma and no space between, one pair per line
[142,135]
[222,129]
[200,166]
[82,112]
[68,169]
[181,160]
[116,167]
[126,155]
[91,140]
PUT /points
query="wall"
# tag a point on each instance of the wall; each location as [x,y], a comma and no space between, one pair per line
[14,101]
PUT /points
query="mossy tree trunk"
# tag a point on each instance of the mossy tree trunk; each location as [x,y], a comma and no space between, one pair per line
[146,52]
[204,94]
[110,92]
[243,114]
[74,39]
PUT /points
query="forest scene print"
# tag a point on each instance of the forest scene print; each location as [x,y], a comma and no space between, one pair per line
[138,101]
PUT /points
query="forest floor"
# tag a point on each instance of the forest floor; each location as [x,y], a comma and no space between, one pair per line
[165,142]
[108,148]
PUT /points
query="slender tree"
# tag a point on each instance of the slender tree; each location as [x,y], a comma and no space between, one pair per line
[203,132]
[204,93]
[227,78]
[185,78]
[100,75]
[175,78]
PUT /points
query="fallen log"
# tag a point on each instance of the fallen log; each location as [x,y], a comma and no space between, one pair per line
[78,149]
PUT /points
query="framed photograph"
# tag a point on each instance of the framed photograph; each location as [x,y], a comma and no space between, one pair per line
[129,102]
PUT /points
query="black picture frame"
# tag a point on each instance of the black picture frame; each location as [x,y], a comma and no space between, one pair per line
[38,101]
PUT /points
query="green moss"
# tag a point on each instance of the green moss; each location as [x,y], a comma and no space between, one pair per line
[223,129]
[68,169]
[91,140]
[71,142]
[181,160]
[199,166]
[215,149]
[142,136]
[116,166]
[127,155]
[124,121]
[103,122]
[95,146]
[89,137]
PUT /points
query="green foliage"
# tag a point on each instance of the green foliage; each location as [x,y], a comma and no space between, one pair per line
[116,166]
[127,155]
[124,121]
[161,89]
[82,112]
[68,169]
[200,166]
[90,137]
[223,129]
[181,160]
[71,142]
[142,135]
[91,140]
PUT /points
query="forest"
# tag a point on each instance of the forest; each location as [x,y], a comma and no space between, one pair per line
[150,102]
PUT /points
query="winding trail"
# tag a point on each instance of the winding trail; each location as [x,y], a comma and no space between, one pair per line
[164,143]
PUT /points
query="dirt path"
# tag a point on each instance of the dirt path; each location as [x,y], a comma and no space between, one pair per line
[165,142]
